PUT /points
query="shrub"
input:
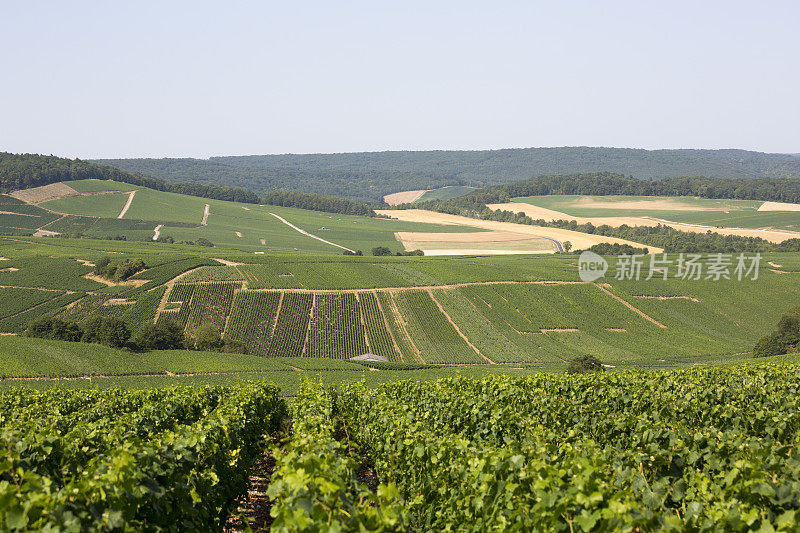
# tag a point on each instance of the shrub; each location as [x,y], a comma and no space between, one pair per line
[769,345]
[234,346]
[162,336]
[106,330]
[379,251]
[207,338]
[48,327]
[204,242]
[585,364]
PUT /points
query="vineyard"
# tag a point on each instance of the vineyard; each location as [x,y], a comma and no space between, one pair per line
[700,450]
[123,460]
[336,328]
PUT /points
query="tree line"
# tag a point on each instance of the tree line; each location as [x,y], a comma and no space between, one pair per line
[23,171]
[368,176]
[607,184]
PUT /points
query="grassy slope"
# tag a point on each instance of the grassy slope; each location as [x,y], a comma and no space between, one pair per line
[253,222]
[100,185]
[741,213]
[96,205]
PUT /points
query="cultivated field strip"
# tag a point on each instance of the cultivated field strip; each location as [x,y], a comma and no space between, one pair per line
[291,329]
[336,328]
[378,335]
[252,319]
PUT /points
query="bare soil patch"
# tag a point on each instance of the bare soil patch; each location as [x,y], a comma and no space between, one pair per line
[690,298]
[206,211]
[560,330]
[9,269]
[45,233]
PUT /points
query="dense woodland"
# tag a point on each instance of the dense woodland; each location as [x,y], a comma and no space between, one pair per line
[23,171]
[368,176]
[607,183]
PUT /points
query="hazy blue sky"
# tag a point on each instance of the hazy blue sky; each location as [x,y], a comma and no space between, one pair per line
[168,78]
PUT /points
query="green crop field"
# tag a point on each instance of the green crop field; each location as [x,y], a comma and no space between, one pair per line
[242,226]
[689,210]
[95,205]
[89,186]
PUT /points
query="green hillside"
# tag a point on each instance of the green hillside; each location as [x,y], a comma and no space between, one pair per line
[368,176]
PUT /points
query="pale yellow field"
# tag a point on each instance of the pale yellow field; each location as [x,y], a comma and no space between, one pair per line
[483,242]
[404,197]
[579,240]
[771,235]
[45,193]
[779,206]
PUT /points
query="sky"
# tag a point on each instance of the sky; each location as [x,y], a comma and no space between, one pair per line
[195,79]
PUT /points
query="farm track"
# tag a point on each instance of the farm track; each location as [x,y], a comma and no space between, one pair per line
[630,306]
[127,204]
[206,210]
[455,327]
[304,232]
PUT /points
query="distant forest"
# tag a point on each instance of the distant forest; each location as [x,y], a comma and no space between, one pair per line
[23,171]
[607,183]
[368,176]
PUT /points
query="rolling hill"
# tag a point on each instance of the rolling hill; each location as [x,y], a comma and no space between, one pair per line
[368,176]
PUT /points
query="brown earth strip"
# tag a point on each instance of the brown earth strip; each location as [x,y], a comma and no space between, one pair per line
[629,306]
[690,298]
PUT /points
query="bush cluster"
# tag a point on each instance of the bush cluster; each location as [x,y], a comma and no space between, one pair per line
[785,339]
[118,271]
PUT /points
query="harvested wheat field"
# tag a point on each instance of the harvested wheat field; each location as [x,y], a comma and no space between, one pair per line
[549,215]
[579,240]
[779,206]
[404,197]
[482,242]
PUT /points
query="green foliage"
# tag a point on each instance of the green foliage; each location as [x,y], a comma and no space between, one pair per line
[379,251]
[607,248]
[165,335]
[314,486]
[206,337]
[585,364]
[369,176]
[106,330]
[132,461]
[785,339]
[697,449]
[48,327]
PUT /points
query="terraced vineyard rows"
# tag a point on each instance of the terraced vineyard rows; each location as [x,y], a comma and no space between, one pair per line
[292,326]
[252,318]
[211,303]
[433,335]
[336,329]
[380,340]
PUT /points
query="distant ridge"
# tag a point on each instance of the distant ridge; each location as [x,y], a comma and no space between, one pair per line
[368,176]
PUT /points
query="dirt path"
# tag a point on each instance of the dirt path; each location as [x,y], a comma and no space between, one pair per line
[629,306]
[206,210]
[127,204]
[157,232]
[304,232]
[690,298]
[455,327]
[398,317]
